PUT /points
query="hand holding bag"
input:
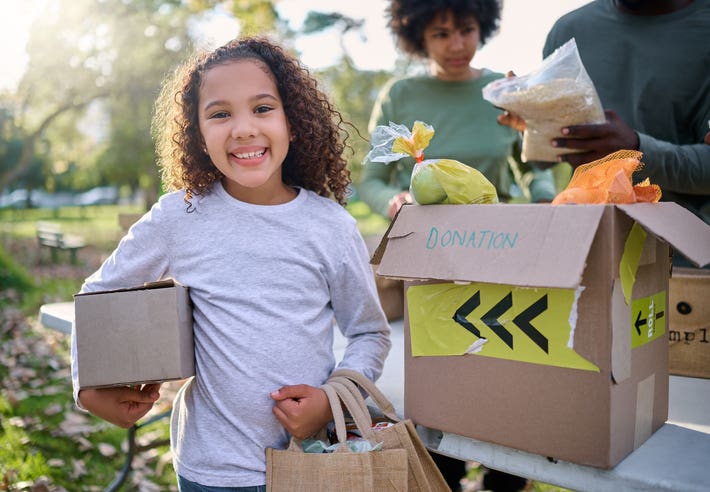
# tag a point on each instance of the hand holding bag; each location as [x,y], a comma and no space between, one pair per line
[422,473]
[343,470]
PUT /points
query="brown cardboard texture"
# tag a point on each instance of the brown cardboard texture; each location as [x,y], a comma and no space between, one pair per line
[538,327]
[133,336]
[689,334]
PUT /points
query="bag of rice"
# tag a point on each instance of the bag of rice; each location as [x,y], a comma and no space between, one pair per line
[558,94]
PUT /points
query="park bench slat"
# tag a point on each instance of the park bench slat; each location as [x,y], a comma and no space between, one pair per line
[51,236]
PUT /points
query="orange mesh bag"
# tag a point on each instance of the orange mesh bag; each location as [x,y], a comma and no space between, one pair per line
[608,180]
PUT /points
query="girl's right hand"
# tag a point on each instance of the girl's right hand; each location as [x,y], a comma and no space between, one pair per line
[121,406]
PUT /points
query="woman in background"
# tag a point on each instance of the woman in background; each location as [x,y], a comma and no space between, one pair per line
[447,34]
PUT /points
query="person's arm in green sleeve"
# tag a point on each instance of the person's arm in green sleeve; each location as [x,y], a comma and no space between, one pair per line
[539,177]
[542,186]
[378,186]
[678,168]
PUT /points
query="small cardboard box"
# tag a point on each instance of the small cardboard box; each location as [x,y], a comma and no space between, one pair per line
[539,327]
[134,336]
[689,333]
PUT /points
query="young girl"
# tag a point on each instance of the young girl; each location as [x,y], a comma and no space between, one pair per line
[252,149]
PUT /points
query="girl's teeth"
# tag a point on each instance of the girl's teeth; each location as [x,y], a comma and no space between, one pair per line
[250,155]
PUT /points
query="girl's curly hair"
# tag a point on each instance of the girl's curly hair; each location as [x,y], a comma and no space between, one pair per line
[408,18]
[315,157]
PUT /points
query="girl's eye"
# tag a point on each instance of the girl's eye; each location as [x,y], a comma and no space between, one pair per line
[262,109]
[219,114]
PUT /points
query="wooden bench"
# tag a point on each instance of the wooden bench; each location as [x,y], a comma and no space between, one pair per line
[51,236]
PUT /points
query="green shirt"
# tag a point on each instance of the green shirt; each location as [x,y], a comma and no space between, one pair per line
[465,128]
[654,72]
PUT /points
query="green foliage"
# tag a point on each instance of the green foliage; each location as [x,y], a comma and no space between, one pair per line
[13,275]
[369,223]
[319,21]
[43,438]
[18,462]
[353,92]
[256,16]
[87,102]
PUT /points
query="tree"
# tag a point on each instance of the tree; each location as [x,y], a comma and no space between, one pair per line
[112,51]
[353,91]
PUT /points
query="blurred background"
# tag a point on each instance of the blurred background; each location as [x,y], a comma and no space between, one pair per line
[78,80]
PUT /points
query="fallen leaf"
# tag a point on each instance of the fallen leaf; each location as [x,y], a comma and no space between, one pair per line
[54,409]
[78,468]
[106,449]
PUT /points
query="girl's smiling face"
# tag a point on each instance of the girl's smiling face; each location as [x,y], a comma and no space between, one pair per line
[245,130]
[450,44]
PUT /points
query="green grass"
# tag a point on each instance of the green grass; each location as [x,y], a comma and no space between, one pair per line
[99,224]
[42,435]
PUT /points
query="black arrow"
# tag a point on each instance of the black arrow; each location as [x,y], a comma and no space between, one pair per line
[523,322]
[491,319]
[467,308]
[640,322]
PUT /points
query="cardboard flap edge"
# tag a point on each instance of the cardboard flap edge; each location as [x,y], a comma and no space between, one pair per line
[158,284]
[675,225]
[543,271]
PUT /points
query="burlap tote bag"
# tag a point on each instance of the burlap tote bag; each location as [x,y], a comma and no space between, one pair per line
[293,470]
[422,473]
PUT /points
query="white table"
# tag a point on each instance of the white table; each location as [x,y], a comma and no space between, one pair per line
[58,316]
[675,458]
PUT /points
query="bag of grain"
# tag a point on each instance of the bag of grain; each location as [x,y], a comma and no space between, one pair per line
[559,93]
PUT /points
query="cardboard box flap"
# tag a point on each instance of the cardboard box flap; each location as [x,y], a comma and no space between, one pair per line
[159,284]
[675,225]
[535,246]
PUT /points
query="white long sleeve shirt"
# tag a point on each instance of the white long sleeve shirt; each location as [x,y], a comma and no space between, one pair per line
[267,284]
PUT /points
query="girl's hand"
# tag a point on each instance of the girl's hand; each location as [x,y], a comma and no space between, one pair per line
[122,406]
[303,410]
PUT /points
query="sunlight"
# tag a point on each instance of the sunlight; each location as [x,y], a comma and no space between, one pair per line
[15,21]
[517,46]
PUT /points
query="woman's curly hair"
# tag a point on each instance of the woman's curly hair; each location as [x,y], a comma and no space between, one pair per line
[408,18]
[315,157]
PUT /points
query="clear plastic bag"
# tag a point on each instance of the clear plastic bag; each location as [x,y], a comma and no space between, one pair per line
[433,181]
[558,93]
[450,181]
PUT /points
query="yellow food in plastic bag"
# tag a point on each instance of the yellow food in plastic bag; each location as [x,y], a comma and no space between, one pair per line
[433,181]
[459,184]
[609,180]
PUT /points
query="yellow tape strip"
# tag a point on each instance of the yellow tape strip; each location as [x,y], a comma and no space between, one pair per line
[503,321]
[648,319]
[633,247]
